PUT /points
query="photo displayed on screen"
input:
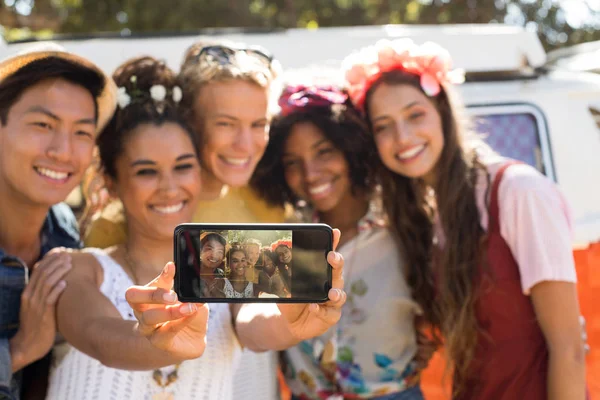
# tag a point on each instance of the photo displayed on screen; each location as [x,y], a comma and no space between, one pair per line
[238,264]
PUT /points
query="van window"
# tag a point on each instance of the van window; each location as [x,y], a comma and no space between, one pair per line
[515,131]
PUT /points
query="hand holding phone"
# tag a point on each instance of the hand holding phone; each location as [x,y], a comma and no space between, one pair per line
[310,320]
[253,263]
[298,320]
[177,328]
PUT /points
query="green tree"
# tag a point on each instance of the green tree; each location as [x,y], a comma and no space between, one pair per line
[552,19]
[265,237]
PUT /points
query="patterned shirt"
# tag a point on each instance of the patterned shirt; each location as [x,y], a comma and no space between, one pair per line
[370,351]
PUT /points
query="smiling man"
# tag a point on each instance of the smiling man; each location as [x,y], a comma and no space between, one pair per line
[52,104]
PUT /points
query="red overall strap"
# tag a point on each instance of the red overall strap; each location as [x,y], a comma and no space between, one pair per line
[494,208]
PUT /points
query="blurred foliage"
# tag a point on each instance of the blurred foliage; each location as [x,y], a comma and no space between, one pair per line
[550,18]
[265,237]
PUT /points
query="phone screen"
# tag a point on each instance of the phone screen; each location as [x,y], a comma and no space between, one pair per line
[252,263]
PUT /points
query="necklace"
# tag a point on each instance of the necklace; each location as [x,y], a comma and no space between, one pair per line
[157,374]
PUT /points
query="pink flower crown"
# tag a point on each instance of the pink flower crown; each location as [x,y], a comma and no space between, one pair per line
[296,98]
[429,61]
[281,242]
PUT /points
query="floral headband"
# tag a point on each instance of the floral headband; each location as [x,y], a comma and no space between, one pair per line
[296,98]
[281,242]
[158,93]
[429,61]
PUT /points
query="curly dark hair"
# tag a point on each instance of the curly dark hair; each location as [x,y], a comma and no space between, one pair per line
[346,130]
[267,253]
[148,72]
[137,76]
[235,249]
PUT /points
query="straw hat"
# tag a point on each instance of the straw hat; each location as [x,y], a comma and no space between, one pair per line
[206,233]
[107,101]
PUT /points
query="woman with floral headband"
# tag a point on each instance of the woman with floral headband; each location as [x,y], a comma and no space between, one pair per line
[115,332]
[150,163]
[487,239]
[320,154]
[226,95]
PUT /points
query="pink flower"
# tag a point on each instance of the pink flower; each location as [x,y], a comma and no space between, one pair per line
[386,55]
[356,74]
[430,61]
[442,62]
[386,58]
[430,84]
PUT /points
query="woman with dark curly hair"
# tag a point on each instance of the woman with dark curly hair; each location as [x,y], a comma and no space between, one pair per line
[319,158]
[269,279]
[235,286]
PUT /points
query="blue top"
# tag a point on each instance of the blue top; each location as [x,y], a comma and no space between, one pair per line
[60,230]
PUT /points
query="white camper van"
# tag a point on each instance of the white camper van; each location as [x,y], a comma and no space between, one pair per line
[540,114]
[584,57]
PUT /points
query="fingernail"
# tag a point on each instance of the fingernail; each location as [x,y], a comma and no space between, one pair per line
[166,269]
[337,256]
[335,295]
[170,297]
[188,308]
[313,308]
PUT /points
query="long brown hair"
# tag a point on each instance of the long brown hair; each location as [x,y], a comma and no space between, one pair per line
[447,294]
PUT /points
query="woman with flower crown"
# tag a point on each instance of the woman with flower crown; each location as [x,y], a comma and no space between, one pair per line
[487,240]
[319,159]
[116,331]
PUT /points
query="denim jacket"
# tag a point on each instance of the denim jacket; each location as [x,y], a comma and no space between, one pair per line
[59,230]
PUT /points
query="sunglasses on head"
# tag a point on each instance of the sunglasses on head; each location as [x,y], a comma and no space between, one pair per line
[224,54]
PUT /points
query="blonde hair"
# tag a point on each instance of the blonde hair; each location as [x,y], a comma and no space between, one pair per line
[194,75]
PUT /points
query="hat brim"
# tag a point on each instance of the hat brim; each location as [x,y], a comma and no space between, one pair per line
[106,101]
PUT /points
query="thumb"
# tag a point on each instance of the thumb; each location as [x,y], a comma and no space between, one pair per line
[165,279]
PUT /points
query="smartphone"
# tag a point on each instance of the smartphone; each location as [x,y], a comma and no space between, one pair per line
[252,263]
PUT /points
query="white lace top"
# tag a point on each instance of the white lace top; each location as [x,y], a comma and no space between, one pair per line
[230,292]
[75,375]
